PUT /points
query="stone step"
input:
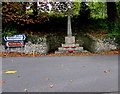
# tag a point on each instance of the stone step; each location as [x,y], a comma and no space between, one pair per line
[70,45]
[63,49]
[60,52]
[79,48]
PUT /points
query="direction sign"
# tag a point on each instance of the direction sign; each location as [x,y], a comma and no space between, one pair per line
[20,37]
[14,43]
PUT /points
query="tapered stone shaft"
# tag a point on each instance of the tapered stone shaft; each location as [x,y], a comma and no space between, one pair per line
[69,30]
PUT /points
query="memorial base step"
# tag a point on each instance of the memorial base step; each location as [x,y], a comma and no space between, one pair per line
[69,48]
[62,52]
[70,45]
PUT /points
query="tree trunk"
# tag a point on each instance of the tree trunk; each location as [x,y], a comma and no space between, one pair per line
[84,13]
[24,7]
[35,12]
[112,12]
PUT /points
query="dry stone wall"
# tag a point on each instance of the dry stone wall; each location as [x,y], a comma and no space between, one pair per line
[51,42]
[55,40]
[93,44]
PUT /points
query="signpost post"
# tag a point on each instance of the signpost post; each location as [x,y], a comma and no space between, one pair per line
[15,41]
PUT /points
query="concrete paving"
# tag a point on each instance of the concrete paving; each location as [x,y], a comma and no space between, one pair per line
[66,74]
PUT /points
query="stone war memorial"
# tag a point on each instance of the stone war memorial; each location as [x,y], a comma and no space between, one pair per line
[70,45]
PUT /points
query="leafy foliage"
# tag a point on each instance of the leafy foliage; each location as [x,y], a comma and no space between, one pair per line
[98,10]
[9,33]
[15,12]
[118,8]
[20,14]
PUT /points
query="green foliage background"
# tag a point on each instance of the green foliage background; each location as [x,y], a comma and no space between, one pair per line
[15,18]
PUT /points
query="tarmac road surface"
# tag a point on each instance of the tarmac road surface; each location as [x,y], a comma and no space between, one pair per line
[61,74]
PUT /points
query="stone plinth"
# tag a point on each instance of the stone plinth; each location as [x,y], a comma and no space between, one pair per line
[70,46]
[69,39]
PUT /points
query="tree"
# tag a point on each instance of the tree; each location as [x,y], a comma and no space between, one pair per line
[35,11]
[112,12]
[98,10]
[84,13]
[16,13]
[113,17]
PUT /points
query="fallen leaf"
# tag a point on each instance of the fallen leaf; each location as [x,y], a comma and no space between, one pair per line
[17,54]
[71,80]
[18,76]
[7,72]
[26,90]
[105,71]
[62,65]
[51,85]
[2,81]
[46,78]
[43,89]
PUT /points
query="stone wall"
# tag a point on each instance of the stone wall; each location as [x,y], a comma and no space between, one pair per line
[37,44]
[93,44]
[38,48]
[55,40]
[2,48]
[51,42]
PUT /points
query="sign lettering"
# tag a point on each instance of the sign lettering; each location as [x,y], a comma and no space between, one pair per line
[14,43]
[20,37]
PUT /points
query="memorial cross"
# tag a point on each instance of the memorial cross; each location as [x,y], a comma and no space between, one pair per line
[69,30]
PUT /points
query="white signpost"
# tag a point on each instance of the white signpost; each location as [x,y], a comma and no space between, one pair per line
[20,37]
[15,41]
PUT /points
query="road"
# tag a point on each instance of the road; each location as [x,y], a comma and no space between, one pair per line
[66,73]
